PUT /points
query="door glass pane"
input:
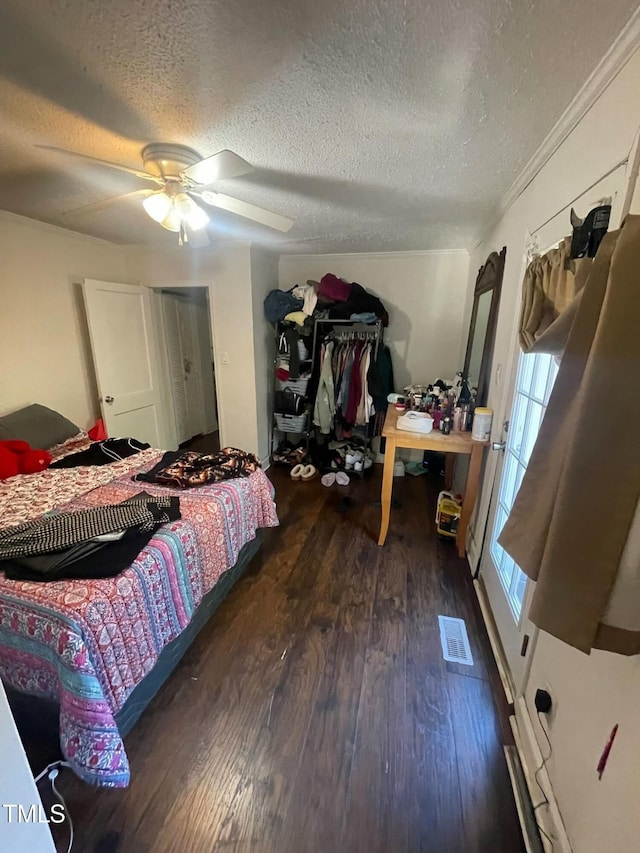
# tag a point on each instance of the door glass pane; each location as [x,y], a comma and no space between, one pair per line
[525,373]
[507,569]
[536,375]
[517,425]
[532,427]
[540,376]
[509,480]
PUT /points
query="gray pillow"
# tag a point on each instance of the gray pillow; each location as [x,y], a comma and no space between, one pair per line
[38,426]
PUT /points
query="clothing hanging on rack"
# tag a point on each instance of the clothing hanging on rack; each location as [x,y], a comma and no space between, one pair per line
[343,399]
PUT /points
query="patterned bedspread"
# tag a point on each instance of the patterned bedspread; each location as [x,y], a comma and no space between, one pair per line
[88,643]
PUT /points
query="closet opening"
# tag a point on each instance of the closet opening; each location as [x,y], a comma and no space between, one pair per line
[189,375]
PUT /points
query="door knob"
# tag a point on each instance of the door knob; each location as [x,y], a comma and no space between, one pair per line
[498,445]
[108,399]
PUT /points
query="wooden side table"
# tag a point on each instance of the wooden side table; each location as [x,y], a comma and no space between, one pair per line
[456,442]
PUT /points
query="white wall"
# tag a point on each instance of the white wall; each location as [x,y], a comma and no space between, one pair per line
[591,693]
[227,271]
[44,345]
[17,787]
[264,277]
[424,293]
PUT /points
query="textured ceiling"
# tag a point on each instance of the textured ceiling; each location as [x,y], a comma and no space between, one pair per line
[375,124]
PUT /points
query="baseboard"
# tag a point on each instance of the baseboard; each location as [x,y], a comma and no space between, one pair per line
[526,815]
[548,816]
[265,463]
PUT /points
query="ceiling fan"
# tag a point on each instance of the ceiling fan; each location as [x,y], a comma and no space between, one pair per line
[182,176]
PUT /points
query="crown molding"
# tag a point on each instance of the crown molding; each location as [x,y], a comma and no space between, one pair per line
[408,254]
[620,52]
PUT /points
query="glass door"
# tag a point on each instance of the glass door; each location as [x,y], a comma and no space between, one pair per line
[506,585]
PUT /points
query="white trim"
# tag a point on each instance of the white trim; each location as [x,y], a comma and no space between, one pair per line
[622,204]
[494,640]
[531,758]
[473,552]
[411,253]
[623,47]
[55,229]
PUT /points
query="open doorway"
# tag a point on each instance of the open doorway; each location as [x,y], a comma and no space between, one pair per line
[190,374]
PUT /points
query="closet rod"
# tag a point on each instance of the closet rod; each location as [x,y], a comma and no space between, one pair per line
[578,197]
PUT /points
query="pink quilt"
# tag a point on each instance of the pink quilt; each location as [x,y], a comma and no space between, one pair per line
[88,643]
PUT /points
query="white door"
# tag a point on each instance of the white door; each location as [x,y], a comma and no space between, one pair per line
[187,318]
[508,590]
[124,357]
[505,584]
[175,360]
[181,332]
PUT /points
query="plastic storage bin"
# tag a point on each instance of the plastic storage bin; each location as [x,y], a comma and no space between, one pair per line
[297,385]
[291,423]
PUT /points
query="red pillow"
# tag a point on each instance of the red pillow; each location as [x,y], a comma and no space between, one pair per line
[8,464]
[16,457]
[33,461]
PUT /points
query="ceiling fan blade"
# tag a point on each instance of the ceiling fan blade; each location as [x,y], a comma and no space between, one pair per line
[197,239]
[107,202]
[225,164]
[249,211]
[137,172]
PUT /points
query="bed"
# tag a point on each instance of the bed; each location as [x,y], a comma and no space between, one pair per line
[101,648]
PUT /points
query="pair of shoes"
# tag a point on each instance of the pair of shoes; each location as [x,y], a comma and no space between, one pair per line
[297,456]
[340,478]
[354,460]
[281,454]
[303,472]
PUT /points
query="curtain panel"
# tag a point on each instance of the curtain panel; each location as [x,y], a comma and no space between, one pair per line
[575,525]
[551,291]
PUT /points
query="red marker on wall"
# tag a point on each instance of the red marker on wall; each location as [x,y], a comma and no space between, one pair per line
[605,752]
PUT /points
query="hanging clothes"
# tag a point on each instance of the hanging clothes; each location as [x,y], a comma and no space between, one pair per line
[325,405]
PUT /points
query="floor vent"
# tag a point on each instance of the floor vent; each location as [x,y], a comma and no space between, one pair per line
[454,640]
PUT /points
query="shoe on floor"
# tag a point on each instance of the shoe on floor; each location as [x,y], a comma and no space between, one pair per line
[308,472]
[342,479]
[296,471]
[328,479]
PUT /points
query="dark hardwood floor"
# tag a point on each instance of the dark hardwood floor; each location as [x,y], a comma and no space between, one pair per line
[206,443]
[314,713]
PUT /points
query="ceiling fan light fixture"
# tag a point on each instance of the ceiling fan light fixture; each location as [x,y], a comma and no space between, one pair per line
[191,213]
[172,220]
[157,206]
[197,218]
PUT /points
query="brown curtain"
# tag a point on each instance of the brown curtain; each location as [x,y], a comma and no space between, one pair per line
[575,526]
[551,285]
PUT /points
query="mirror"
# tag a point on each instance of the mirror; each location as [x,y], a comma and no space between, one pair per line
[484,315]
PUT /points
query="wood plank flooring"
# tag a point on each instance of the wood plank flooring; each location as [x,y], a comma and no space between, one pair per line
[208,442]
[314,713]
